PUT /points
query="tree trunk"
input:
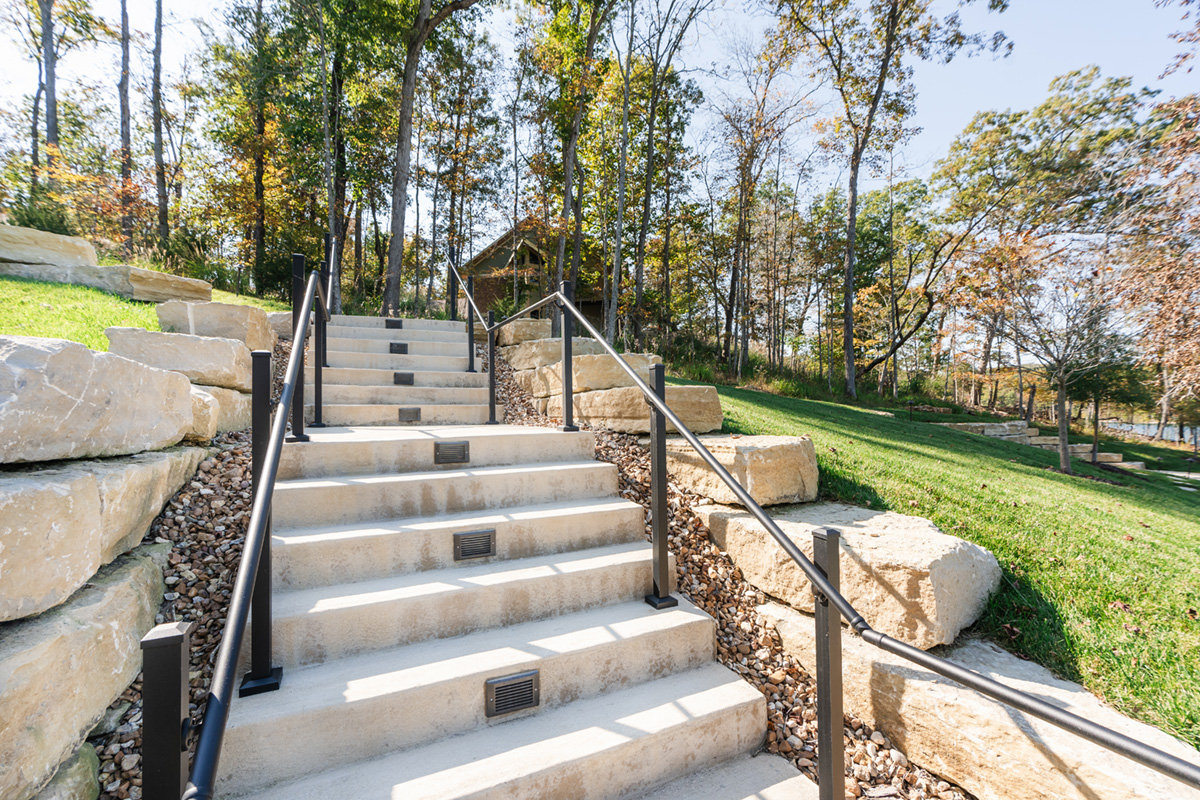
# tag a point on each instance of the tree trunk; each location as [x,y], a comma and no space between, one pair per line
[337,216]
[1064,426]
[160,172]
[358,247]
[1095,428]
[610,323]
[126,136]
[848,276]
[50,62]
[35,164]
[260,148]
[1029,408]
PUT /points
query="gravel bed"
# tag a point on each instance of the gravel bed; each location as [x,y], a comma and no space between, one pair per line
[746,642]
[205,523]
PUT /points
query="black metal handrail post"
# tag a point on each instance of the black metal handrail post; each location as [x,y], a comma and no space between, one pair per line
[491,353]
[830,745]
[660,597]
[566,299]
[322,303]
[325,291]
[470,327]
[452,288]
[298,336]
[262,677]
[166,652]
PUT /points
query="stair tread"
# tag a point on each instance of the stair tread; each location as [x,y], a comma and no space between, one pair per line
[468,764]
[762,777]
[483,518]
[301,484]
[377,433]
[301,602]
[491,653]
[344,376]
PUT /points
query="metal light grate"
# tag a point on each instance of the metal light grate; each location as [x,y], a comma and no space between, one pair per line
[512,693]
[393,323]
[410,414]
[451,452]
[474,544]
[398,348]
[403,378]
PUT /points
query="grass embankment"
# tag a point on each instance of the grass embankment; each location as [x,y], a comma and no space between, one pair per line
[1099,578]
[80,314]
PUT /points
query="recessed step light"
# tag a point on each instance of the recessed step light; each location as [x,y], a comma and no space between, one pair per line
[474,544]
[393,323]
[403,378]
[513,693]
[451,452]
[410,414]
[398,348]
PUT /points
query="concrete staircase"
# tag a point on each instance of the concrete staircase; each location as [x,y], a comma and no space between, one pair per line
[399,372]
[407,579]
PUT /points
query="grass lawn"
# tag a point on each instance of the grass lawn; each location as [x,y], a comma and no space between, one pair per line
[1100,577]
[80,314]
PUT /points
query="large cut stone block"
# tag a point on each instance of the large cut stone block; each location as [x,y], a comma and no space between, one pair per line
[540,352]
[523,330]
[203,359]
[907,578]
[234,408]
[135,283]
[60,670]
[590,373]
[773,469]
[247,324]
[626,411]
[281,324]
[59,525]
[59,399]
[205,411]
[77,778]
[29,246]
[1000,430]
[992,750]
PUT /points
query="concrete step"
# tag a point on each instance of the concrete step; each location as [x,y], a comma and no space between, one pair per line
[306,558]
[343,359]
[362,414]
[747,777]
[305,502]
[615,745]
[379,703]
[1109,458]
[384,346]
[405,395]
[1077,450]
[387,377]
[395,335]
[1133,464]
[1043,440]
[346,320]
[329,622]
[1032,432]
[373,451]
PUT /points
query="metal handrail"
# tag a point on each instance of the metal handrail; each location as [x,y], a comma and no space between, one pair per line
[470,299]
[1165,763]
[216,711]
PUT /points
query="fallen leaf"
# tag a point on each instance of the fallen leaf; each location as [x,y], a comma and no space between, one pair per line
[1191,613]
[1127,538]
[914,503]
[1012,630]
[1120,606]
[1134,629]
[983,486]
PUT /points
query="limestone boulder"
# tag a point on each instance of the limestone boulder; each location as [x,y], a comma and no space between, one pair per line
[77,778]
[625,410]
[60,670]
[203,359]
[234,408]
[907,578]
[247,324]
[773,469]
[991,750]
[205,412]
[29,246]
[523,330]
[590,373]
[59,399]
[540,352]
[59,525]
[128,281]
[281,324]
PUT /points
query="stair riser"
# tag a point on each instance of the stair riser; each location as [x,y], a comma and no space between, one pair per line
[258,755]
[405,395]
[384,347]
[324,634]
[342,458]
[367,415]
[386,377]
[344,320]
[1077,450]
[310,564]
[356,500]
[397,363]
[394,335]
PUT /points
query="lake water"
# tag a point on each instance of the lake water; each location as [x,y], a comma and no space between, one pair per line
[1171,433]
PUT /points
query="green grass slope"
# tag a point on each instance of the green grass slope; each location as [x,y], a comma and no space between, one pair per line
[1101,570]
[80,314]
